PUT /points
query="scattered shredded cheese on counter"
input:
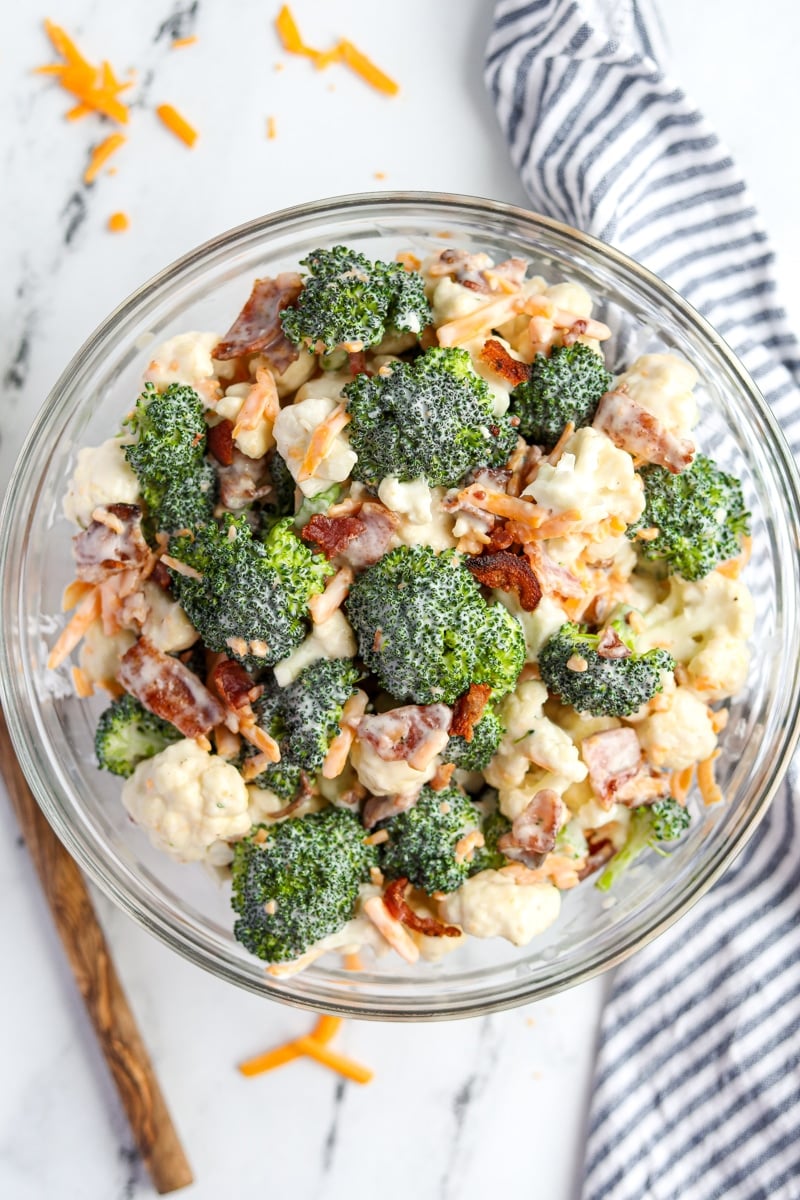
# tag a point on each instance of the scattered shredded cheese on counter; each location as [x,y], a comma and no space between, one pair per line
[96,88]
[272,130]
[101,154]
[180,43]
[175,123]
[344,52]
[118,222]
[314,1045]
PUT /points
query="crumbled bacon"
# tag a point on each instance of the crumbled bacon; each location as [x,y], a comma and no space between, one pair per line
[633,428]
[357,362]
[611,645]
[220,442]
[332,534]
[112,544]
[161,575]
[371,544]
[510,573]
[613,756]
[414,733]
[257,329]
[244,481]
[468,710]
[495,355]
[399,908]
[601,849]
[169,689]
[553,577]
[533,832]
[233,685]
[500,538]
[382,808]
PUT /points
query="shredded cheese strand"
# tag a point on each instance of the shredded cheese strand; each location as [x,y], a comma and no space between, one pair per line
[175,123]
[101,154]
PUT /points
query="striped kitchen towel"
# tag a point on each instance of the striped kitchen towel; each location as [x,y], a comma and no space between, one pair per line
[697,1087]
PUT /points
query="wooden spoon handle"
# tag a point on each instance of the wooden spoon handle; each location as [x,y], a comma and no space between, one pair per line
[97,979]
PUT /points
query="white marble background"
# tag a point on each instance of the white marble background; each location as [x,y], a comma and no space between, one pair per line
[495,1103]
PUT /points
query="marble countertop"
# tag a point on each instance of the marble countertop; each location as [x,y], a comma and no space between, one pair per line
[476,1090]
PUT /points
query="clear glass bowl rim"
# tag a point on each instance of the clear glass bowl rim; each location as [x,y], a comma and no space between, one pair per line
[60,401]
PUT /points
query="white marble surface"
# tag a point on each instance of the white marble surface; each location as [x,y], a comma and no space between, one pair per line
[493,1103]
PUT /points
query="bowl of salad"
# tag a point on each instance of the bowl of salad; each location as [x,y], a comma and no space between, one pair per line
[400,606]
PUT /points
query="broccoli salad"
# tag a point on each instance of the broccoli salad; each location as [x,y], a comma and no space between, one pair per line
[412,614]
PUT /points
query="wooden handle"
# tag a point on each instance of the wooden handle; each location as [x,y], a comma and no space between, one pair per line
[97,979]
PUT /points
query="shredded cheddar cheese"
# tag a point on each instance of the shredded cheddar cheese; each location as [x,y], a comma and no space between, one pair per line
[96,89]
[180,43]
[175,123]
[343,52]
[101,154]
[118,222]
[272,129]
[315,1045]
[709,788]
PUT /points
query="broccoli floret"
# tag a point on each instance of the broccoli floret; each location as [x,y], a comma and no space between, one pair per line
[571,840]
[431,418]
[425,630]
[571,666]
[304,719]
[488,857]
[475,755]
[566,386]
[423,840]
[664,821]
[250,599]
[318,503]
[699,514]
[300,883]
[281,501]
[177,483]
[127,733]
[349,301]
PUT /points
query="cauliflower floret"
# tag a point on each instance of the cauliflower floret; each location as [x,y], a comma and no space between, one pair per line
[333,638]
[100,654]
[412,500]
[295,374]
[705,626]
[678,735]
[571,297]
[450,300]
[436,532]
[187,799]
[593,477]
[531,738]
[662,384]
[381,778]
[545,620]
[329,385]
[187,359]
[293,432]
[255,443]
[167,625]
[101,476]
[494,904]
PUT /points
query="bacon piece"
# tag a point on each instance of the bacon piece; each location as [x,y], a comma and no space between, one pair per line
[357,362]
[631,427]
[398,907]
[257,329]
[243,481]
[391,930]
[415,733]
[169,689]
[601,849]
[613,757]
[533,832]
[611,645]
[383,808]
[371,544]
[220,442]
[332,534]
[112,542]
[161,575]
[495,355]
[554,578]
[510,573]
[233,685]
[468,710]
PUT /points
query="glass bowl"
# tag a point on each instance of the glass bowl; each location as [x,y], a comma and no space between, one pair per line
[53,731]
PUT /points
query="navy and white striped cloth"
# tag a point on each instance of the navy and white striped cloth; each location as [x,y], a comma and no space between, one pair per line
[697,1087]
